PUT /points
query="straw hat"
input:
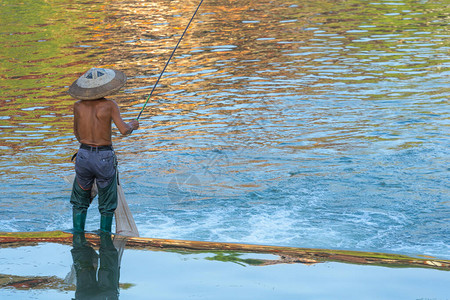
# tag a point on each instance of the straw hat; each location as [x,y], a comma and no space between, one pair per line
[97,83]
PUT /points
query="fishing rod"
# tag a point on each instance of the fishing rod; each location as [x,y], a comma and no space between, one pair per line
[167,63]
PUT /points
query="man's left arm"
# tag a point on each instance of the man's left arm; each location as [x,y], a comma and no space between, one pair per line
[75,122]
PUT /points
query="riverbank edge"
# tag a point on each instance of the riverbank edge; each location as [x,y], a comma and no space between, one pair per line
[285,254]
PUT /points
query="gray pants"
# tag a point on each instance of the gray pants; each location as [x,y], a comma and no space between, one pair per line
[96,165]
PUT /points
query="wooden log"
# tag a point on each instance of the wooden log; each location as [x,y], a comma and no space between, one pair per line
[286,254]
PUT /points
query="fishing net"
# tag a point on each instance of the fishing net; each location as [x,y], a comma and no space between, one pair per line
[125,224]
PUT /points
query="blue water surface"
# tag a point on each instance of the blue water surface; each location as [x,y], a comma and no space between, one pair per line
[309,124]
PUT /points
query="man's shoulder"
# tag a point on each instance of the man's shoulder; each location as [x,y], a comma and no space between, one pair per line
[97,102]
[108,102]
[105,106]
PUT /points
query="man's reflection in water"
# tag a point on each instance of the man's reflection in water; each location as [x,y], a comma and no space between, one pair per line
[85,259]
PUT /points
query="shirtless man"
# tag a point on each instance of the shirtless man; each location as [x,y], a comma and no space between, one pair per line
[96,160]
[92,122]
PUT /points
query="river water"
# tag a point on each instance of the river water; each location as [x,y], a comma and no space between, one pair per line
[297,123]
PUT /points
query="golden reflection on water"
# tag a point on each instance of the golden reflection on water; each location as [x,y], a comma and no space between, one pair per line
[288,70]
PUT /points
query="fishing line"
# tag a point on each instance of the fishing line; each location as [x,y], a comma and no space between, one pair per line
[167,63]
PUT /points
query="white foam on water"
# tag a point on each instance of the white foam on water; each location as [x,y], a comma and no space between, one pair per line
[9,225]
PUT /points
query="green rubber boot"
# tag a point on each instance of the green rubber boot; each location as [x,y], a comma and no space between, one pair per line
[106,223]
[79,220]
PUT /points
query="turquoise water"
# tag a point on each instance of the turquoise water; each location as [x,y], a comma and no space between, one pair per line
[290,123]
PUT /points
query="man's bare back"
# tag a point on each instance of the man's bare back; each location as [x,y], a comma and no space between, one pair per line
[93,118]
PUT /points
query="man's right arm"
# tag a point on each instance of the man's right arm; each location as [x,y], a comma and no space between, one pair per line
[124,128]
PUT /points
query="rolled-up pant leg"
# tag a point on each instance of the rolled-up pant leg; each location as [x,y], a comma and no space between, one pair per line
[107,198]
[80,199]
[106,175]
[81,191]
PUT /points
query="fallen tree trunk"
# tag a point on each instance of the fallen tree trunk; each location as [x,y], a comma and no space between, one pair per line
[286,254]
